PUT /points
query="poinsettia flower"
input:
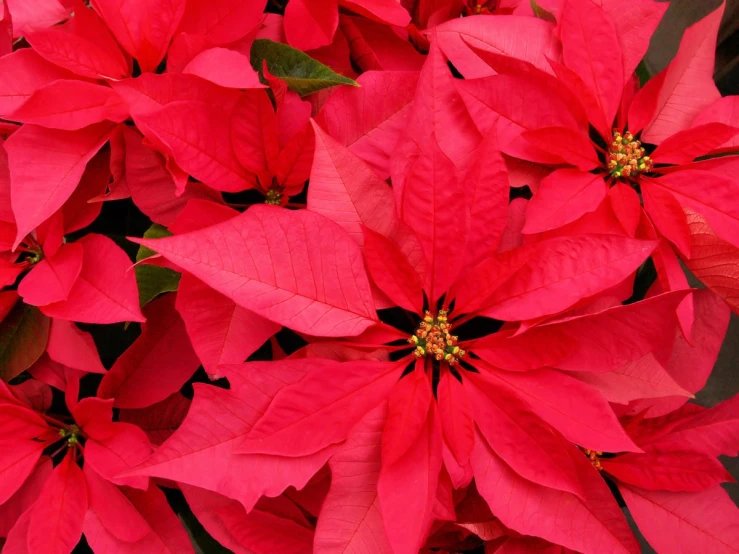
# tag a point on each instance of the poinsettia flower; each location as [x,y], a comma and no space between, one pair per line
[673,489]
[422,409]
[45,509]
[553,125]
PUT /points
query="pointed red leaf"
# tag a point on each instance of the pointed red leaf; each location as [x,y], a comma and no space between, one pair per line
[30,16]
[407,412]
[254,134]
[143,29]
[294,423]
[456,417]
[224,67]
[105,291]
[26,72]
[307,276]
[113,509]
[93,54]
[685,146]
[311,24]
[350,518]
[688,85]
[644,378]
[558,516]
[220,331]
[52,278]
[724,110]
[222,22]
[568,146]
[157,364]
[16,464]
[519,437]
[713,260]
[161,420]
[56,519]
[526,38]
[392,272]
[12,509]
[566,271]
[625,203]
[72,347]
[218,419]
[573,408]
[563,197]
[369,119]
[71,105]
[683,521]
[197,134]
[714,431]
[587,34]
[668,471]
[667,215]
[40,186]
[407,489]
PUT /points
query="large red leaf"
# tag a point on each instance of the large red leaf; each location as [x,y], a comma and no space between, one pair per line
[17,461]
[667,215]
[713,260]
[152,186]
[311,24]
[295,424]
[718,208]
[197,134]
[255,135]
[220,331]
[619,335]
[688,85]
[41,184]
[23,499]
[157,364]
[297,268]
[166,533]
[714,431]
[519,437]
[161,420]
[71,105]
[644,378]
[683,521]
[222,22]
[224,67]
[456,417]
[105,291]
[563,196]
[586,33]
[143,29]
[438,115]
[25,72]
[350,519]
[685,146]
[56,519]
[593,525]
[526,38]
[407,412]
[84,46]
[31,16]
[72,347]
[369,119]
[566,145]
[407,489]
[218,420]
[433,203]
[724,110]
[668,471]
[566,271]
[53,277]
[573,408]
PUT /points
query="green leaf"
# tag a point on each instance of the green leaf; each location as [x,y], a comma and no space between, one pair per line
[302,73]
[541,13]
[151,279]
[156,231]
[24,334]
[154,280]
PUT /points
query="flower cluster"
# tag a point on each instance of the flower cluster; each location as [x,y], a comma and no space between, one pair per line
[379,276]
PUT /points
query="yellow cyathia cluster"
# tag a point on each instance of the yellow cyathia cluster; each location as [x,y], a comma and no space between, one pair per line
[593,457]
[434,338]
[626,156]
[273,197]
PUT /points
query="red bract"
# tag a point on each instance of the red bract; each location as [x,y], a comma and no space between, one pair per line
[438,359]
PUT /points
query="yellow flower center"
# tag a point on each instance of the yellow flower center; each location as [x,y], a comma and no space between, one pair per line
[434,338]
[626,156]
[593,456]
[273,197]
